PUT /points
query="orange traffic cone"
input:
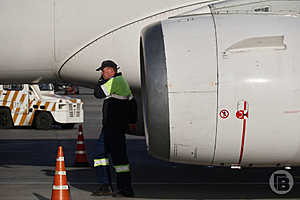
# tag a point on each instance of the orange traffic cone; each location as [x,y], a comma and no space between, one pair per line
[81,158]
[60,190]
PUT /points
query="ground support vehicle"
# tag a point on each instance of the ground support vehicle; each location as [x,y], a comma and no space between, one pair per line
[38,106]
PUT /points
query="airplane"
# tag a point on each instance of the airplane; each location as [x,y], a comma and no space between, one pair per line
[218,80]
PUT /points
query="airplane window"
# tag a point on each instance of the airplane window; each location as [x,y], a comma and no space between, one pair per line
[15,87]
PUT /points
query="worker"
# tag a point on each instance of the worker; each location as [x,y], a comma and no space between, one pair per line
[119,113]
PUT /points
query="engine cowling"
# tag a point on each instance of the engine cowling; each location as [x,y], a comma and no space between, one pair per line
[222,89]
[179,89]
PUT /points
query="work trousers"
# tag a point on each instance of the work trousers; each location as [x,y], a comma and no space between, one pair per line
[112,142]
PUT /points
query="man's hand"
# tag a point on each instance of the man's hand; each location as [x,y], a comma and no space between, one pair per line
[132,128]
[101,80]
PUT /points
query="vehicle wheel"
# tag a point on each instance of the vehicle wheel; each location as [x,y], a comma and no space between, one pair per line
[5,119]
[43,121]
[67,126]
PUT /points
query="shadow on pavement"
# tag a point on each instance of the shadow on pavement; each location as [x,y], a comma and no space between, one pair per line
[217,183]
[152,178]
[40,197]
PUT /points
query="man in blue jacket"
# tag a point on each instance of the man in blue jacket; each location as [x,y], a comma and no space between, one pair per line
[119,110]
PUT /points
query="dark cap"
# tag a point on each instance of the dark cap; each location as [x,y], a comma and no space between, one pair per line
[107,63]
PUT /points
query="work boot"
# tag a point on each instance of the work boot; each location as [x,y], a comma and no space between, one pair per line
[103,190]
[124,193]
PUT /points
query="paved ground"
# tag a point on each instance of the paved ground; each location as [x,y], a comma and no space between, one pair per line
[27,164]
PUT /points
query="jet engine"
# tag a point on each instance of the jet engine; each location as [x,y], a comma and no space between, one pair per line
[222,89]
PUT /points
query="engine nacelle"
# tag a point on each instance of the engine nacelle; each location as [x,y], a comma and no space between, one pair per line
[222,90]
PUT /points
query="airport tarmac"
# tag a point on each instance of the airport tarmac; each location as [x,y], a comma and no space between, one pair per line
[28,156]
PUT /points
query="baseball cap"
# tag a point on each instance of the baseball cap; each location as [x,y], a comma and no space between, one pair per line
[107,63]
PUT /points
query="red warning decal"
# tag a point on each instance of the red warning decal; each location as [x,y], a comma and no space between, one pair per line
[242,110]
[224,114]
[242,113]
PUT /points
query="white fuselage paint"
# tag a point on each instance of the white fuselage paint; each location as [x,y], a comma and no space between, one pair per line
[38,37]
[26,37]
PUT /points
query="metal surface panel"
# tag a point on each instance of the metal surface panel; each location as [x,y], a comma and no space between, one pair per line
[26,37]
[101,35]
[192,73]
[260,89]
[87,20]
[280,7]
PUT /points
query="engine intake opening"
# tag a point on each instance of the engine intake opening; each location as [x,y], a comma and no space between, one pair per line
[155,91]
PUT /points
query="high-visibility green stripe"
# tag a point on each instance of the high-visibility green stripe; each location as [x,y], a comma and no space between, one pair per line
[117,85]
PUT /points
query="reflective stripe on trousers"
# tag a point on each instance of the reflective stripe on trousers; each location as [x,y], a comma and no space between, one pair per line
[101,162]
[122,168]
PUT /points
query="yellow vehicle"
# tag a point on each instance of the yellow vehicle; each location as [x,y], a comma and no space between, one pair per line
[38,106]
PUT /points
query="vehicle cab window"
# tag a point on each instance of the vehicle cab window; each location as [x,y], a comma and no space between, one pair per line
[14,87]
[46,87]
